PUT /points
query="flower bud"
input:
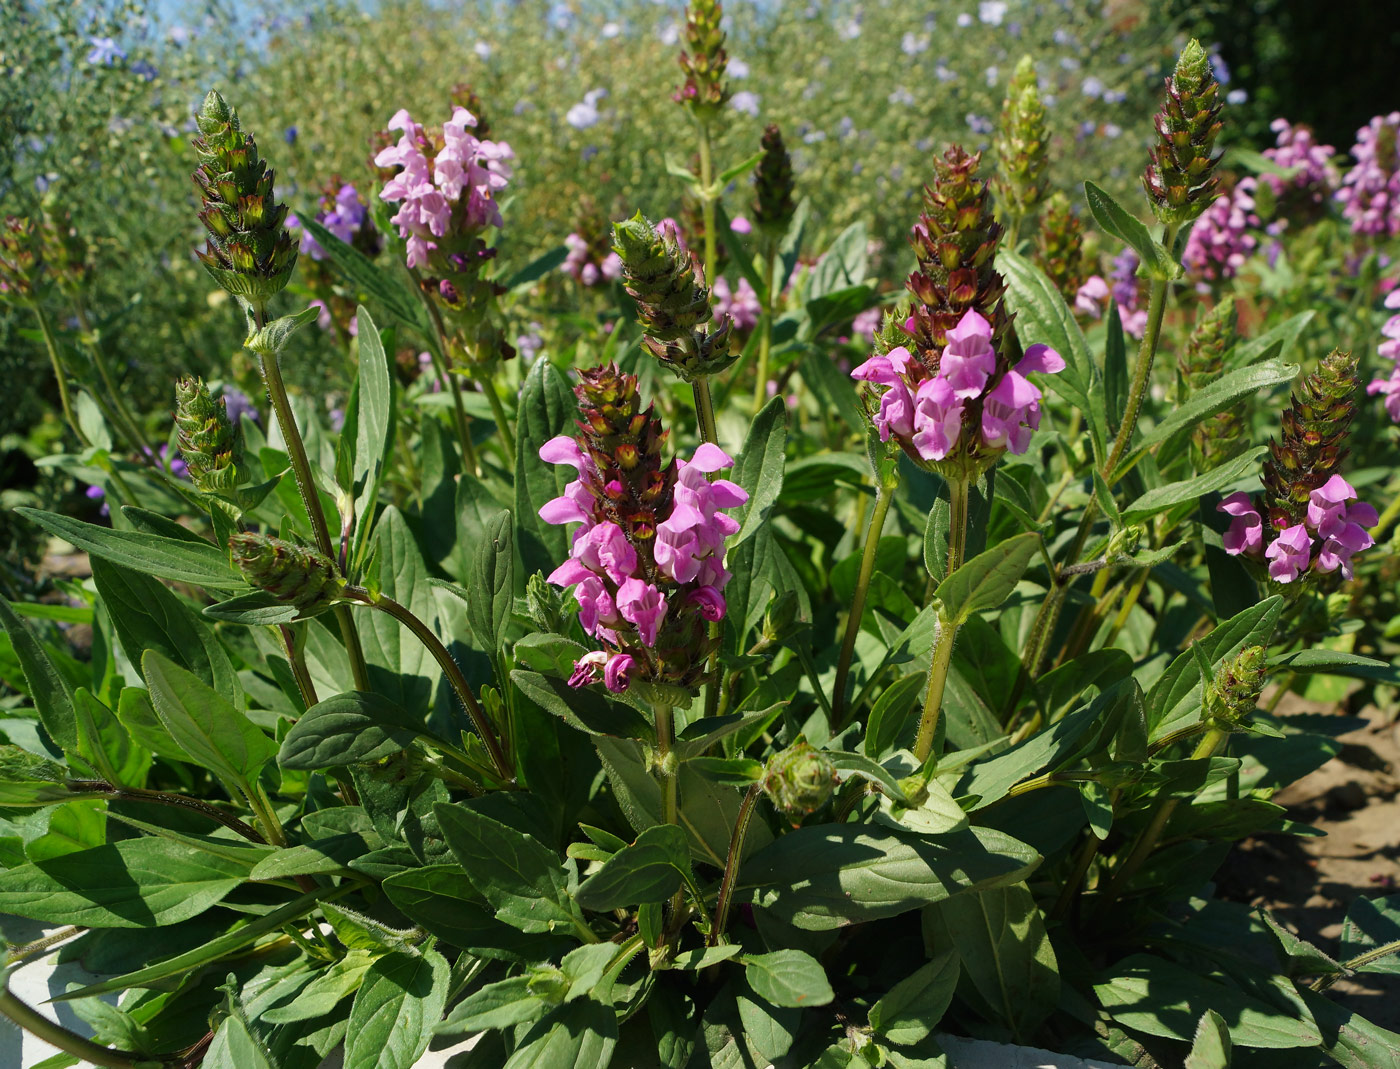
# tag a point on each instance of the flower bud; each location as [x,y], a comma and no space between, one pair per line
[1020,145]
[249,252]
[704,60]
[206,439]
[1232,694]
[673,305]
[1060,247]
[799,780]
[772,183]
[1180,176]
[291,573]
[1221,437]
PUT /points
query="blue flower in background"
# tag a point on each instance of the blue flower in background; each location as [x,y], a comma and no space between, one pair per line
[105,51]
[144,70]
[290,135]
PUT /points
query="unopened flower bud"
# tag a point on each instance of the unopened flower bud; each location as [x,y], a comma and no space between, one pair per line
[704,60]
[799,780]
[1020,145]
[673,305]
[291,573]
[249,252]
[1218,439]
[1180,177]
[1232,694]
[207,440]
[1124,542]
[1060,246]
[772,183]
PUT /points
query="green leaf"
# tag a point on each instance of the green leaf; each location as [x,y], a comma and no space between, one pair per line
[1162,498]
[892,718]
[235,1047]
[987,580]
[576,1035]
[493,583]
[256,609]
[759,467]
[1321,661]
[148,616]
[181,561]
[441,900]
[1000,937]
[1160,998]
[1279,341]
[842,265]
[835,388]
[1113,218]
[374,431]
[410,675]
[586,709]
[135,883]
[330,987]
[106,745]
[741,168]
[908,1012]
[1211,1047]
[1372,931]
[394,1012]
[537,268]
[272,338]
[1043,316]
[1209,401]
[518,875]
[499,1005]
[547,408]
[788,978]
[648,870]
[346,729]
[827,876]
[51,692]
[389,288]
[215,734]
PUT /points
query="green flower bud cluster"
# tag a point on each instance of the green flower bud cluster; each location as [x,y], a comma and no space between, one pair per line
[673,305]
[1060,246]
[1020,145]
[210,444]
[1313,443]
[37,252]
[1233,693]
[1180,176]
[249,252]
[704,91]
[1218,439]
[799,780]
[291,573]
[772,184]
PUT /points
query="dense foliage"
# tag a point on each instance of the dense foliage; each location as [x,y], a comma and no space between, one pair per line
[783,631]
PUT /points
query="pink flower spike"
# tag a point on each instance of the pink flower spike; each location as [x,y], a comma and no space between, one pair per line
[642,605]
[561,510]
[1326,505]
[1010,412]
[570,572]
[1040,357]
[710,458]
[1289,554]
[877,369]
[969,359]
[617,671]
[562,450]
[937,419]
[1246,533]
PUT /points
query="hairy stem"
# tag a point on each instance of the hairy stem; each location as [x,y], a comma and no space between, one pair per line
[884,497]
[498,411]
[943,639]
[36,1024]
[178,801]
[437,350]
[765,327]
[731,863]
[59,374]
[707,203]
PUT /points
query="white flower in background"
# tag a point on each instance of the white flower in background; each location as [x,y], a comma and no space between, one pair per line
[745,102]
[991,12]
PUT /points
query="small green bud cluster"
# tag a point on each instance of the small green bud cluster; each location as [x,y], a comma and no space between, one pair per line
[291,573]
[210,444]
[673,305]
[1060,246]
[799,780]
[1232,694]
[704,91]
[1180,176]
[1020,145]
[1218,439]
[249,252]
[772,184]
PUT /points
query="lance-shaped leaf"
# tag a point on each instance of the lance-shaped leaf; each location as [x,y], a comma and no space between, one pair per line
[648,870]
[987,580]
[493,583]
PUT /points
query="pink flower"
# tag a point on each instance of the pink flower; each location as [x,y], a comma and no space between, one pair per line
[741,304]
[1246,532]
[693,534]
[969,359]
[617,671]
[1337,551]
[1327,504]
[604,548]
[710,601]
[937,419]
[1091,297]
[896,412]
[1390,387]
[740,225]
[643,606]
[1289,554]
[1012,410]
[586,668]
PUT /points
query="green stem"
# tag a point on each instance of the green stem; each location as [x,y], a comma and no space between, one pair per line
[498,410]
[705,410]
[28,950]
[884,497]
[707,203]
[1147,841]
[305,687]
[51,344]
[178,801]
[731,863]
[437,350]
[53,1033]
[946,636]
[306,484]
[125,419]
[1322,983]
[765,328]
[1386,518]
[666,775]
[433,645]
[266,816]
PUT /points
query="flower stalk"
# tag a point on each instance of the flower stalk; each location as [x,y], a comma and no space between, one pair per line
[884,497]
